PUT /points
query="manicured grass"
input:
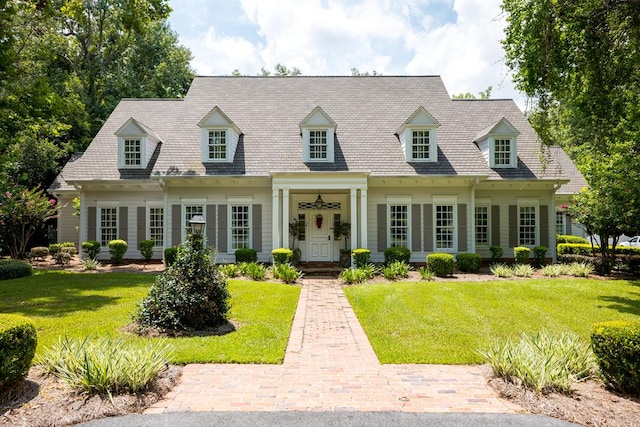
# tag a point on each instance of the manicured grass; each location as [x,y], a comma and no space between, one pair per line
[79,305]
[446,322]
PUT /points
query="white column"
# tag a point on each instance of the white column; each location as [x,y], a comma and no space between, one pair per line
[275,219]
[471,220]
[354,218]
[285,218]
[363,217]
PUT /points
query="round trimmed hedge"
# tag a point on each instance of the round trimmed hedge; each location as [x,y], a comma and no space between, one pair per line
[18,341]
[616,345]
[14,268]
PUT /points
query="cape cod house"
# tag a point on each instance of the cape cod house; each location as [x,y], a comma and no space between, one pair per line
[395,157]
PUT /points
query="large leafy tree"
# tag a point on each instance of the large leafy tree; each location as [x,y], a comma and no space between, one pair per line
[580,63]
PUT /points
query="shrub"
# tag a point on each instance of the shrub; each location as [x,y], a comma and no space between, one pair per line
[117,249]
[581,269]
[54,248]
[90,264]
[361,257]
[253,270]
[522,270]
[14,268]
[105,365]
[575,249]
[569,259]
[297,255]
[617,349]
[440,264]
[566,238]
[553,270]
[246,255]
[397,253]
[91,248]
[629,263]
[396,270]
[146,249]
[229,270]
[539,254]
[189,294]
[353,276]
[170,255]
[369,270]
[521,254]
[501,270]
[280,256]
[425,274]
[71,250]
[40,252]
[286,272]
[496,253]
[18,340]
[541,361]
[62,258]
[469,263]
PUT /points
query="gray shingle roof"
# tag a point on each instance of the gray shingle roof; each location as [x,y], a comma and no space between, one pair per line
[268,111]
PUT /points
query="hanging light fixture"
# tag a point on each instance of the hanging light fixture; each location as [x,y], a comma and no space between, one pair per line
[319,202]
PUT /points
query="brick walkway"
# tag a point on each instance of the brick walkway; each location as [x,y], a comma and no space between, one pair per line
[330,366]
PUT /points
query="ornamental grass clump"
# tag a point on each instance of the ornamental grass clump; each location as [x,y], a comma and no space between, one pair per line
[286,272]
[553,270]
[523,270]
[501,270]
[229,270]
[190,294]
[425,274]
[91,264]
[396,270]
[105,365]
[541,361]
[353,276]
[581,269]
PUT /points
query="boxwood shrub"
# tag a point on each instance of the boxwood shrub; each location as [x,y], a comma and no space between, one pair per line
[361,257]
[469,263]
[170,255]
[440,264]
[567,238]
[617,349]
[281,256]
[14,268]
[539,254]
[18,340]
[91,248]
[40,252]
[246,255]
[521,254]
[397,253]
[117,249]
[496,253]
[146,249]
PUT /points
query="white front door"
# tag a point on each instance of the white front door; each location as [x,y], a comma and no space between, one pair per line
[320,242]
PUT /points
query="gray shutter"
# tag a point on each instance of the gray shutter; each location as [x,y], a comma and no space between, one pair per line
[222,228]
[416,228]
[210,232]
[257,227]
[513,226]
[544,225]
[123,223]
[462,228]
[91,223]
[567,219]
[141,224]
[176,225]
[495,225]
[382,227]
[428,227]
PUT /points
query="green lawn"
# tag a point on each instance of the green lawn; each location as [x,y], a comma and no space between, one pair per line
[79,305]
[446,322]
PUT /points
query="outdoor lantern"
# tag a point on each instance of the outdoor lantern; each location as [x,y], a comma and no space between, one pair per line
[319,202]
[197,223]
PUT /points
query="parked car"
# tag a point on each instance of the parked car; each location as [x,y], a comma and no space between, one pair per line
[634,241]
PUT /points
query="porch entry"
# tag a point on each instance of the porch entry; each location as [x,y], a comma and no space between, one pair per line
[320,239]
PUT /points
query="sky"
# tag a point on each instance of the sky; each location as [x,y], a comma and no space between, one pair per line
[458,40]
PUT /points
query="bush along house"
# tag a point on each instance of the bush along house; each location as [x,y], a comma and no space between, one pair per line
[395,157]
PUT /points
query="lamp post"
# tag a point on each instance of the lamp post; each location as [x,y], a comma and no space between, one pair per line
[197,223]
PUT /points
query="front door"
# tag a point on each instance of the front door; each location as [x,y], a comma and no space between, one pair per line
[319,232]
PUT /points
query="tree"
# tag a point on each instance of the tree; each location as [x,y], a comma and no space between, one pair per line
[22,213]
[279,70]
[357,73]
[580,62]
[484,94]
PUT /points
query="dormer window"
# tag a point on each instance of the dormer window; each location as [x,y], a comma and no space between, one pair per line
[418,137]
[498,144]
[318,134]
[136,144]
[219,137]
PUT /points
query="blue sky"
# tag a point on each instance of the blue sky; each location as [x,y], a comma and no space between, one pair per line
[456,39]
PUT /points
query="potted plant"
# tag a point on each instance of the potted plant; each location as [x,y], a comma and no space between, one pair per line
[296,230]
[340,230]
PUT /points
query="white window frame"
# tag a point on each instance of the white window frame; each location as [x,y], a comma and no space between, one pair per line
[527,203]
[406,203]
[513,155]
[185,221]
[249,227]
[223,149]
[122,164]
[433,145]
[148,227]
[562,215]
[99,228]
[487,206]
[330,138]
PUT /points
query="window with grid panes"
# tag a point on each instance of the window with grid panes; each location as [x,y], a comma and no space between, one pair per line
[420,146]
[240,230]
[502,152]
[560,222]
[482,225]
[189,212]
[217,144]
[132,152]
[317,144]
[527,226]
[108,225]
[156,226]
[398,225]
[444,226]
